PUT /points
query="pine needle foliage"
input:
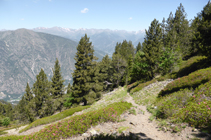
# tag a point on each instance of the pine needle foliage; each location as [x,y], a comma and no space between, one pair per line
[82,87]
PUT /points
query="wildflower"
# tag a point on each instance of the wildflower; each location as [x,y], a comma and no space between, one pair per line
[193,96]
[199,103]
[209,108]
[54,134]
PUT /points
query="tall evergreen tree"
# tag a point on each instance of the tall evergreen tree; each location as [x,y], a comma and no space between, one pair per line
[152,47]
[181,25]
[28,94]
[41,90]
[138,47]
[81,75]
[69,98]
[118,69]
[57,81]
[204,30]
[105,72]
[139,70]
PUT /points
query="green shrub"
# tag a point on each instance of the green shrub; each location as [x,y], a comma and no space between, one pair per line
[188,106]
[193,64]
[193,80]
[141,86]
[133,85]
[80,123]
[171,104]
[54,118]
[6,121]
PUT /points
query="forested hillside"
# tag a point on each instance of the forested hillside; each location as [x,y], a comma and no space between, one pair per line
[175,49]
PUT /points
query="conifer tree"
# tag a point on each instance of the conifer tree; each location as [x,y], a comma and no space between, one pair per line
[138,47]
[204,30]
[28,94]
[152,47]
[41,90]
[139,68]
[57,81]
[82,74]
[118,69]
[69,98]
[105,70]
[24,109]
[181,25]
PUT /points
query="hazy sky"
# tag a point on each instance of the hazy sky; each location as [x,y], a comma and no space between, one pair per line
[130,15]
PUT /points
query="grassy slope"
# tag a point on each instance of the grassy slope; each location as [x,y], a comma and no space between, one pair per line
[109,109]
[185,100]
[54,118]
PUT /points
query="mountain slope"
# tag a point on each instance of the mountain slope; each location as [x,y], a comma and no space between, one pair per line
[24,52]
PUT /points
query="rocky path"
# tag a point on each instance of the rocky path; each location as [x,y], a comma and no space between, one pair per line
[137,124]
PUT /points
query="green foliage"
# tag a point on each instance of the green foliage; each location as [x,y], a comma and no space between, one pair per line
[6,121]
[191,81]
[69,99]
[193,64]
[203,30]
[80,123]
[41,90]
[82,75]
[188,106]
[57,86]
[140,67]
[166,61]
[171,104]
[133,85]
[119,65]
[138,47]
[132,111]
[141,86]
[105,73]
[152,47]
[54,118]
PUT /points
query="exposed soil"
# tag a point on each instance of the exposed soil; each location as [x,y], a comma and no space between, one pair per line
[138,124]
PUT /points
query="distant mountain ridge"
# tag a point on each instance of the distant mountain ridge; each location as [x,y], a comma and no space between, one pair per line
[102,39]
[24,52]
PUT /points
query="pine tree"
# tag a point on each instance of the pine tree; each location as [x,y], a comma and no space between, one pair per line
[181,25]
[118,69]
[138,47]
[152,47]
[57,81]
[139,70]
[105,72]
[41,90]
[25,112]
[28,94]
[204,30]
[69,98]
[82,74]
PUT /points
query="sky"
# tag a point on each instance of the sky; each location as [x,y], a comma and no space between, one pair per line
[130,15]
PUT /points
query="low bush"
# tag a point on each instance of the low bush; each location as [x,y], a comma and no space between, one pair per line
[193,80]
[193,107]
[171,104]
[6,121]
[133,85]
[141,86]
[193,64]
[54,118]
[78,124]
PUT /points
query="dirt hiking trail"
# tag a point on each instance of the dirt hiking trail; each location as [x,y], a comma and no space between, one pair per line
[137,124]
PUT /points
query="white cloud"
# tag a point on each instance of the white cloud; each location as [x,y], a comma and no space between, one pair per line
[85,10]
[22,19]
[130,18]
[49,0]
